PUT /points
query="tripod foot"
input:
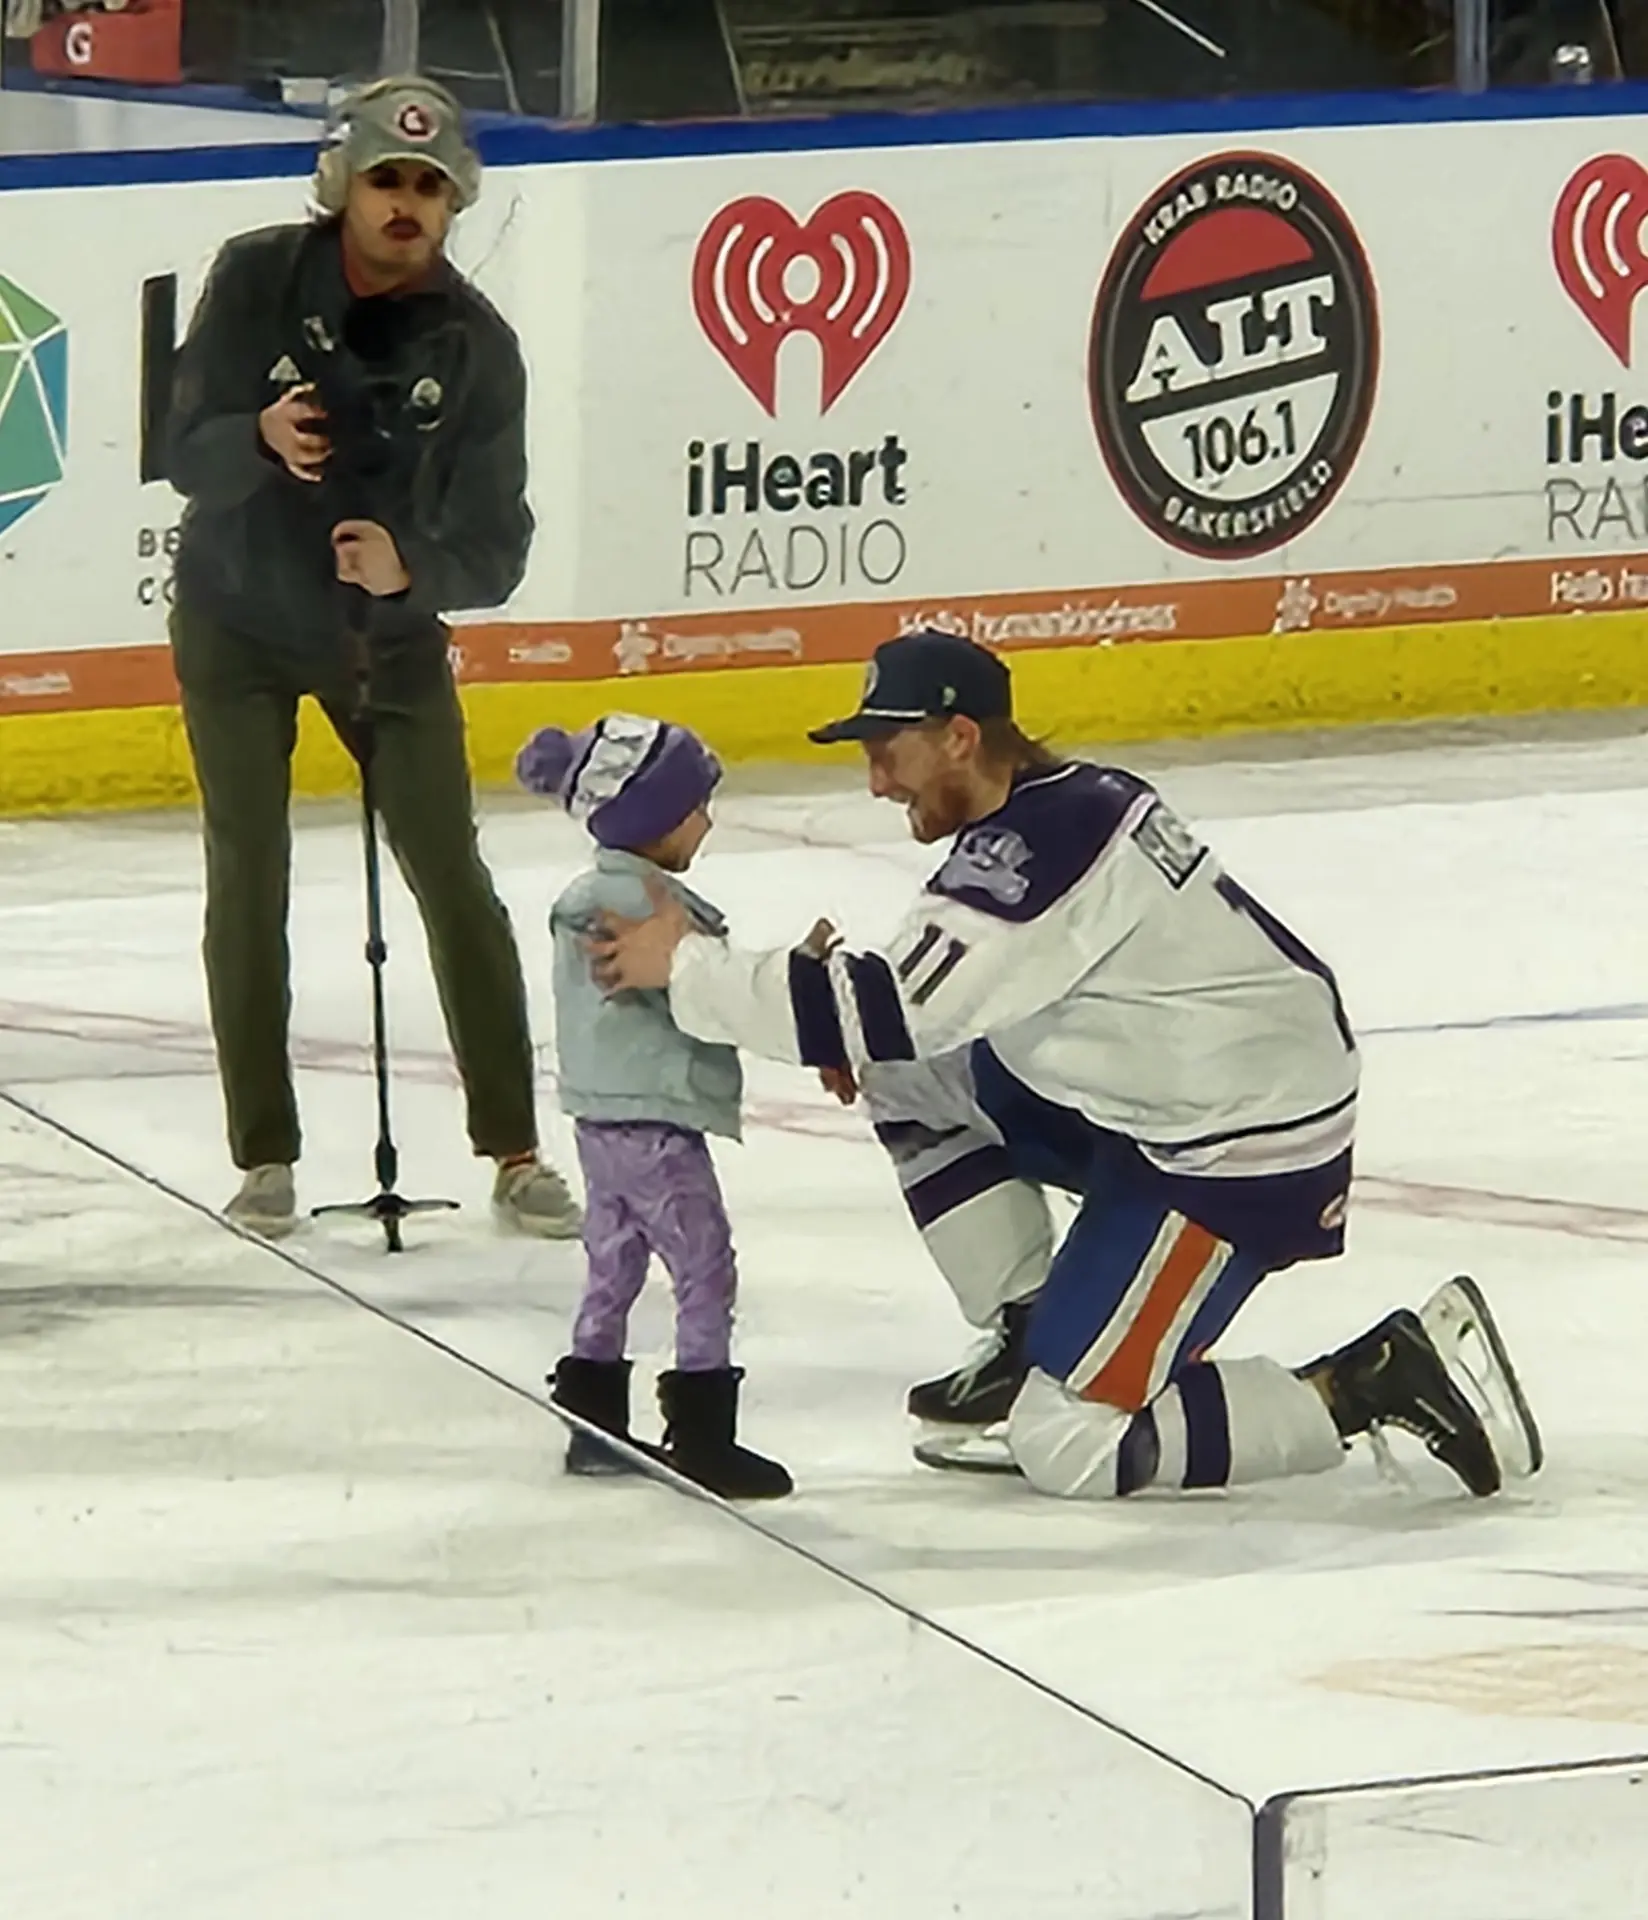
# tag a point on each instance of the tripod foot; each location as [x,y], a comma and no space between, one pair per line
[389,1210]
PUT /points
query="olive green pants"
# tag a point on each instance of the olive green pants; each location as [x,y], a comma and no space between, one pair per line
[242,739]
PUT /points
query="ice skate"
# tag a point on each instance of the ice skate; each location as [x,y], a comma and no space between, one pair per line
[1463,1331]
[1403,1374]
[700,1437]
[963,1415]
[266,1203]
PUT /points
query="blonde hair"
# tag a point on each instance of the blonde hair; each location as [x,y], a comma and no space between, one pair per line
[1004,743]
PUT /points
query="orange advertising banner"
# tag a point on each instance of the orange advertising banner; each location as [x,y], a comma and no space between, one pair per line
[498,652]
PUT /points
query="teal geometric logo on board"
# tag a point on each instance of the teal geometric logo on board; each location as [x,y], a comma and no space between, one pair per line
[34,401]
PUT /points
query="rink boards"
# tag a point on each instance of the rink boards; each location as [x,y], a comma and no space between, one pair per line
[1217,416]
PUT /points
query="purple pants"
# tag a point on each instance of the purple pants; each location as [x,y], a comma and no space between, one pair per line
[651,1189]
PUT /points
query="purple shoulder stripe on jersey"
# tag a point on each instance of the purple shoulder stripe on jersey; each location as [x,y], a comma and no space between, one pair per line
[817,1017]
[1040,842]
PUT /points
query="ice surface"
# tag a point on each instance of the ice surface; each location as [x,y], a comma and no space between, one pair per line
[296,1617]
[1481,900]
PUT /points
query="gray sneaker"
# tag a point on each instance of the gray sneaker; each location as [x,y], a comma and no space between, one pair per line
[266,1203]
[533,1198]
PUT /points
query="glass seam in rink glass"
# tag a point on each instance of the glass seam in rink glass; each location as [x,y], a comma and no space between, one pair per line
[623,743]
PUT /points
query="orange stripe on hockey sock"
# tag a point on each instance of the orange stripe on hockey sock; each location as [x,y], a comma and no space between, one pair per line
[1124,1379]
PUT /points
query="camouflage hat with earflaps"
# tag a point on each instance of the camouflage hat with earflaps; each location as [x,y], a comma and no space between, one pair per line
[402,118]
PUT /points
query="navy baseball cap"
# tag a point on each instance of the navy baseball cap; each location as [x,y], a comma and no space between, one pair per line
[930,675]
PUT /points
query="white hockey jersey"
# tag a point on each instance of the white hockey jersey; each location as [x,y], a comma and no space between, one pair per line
[1109,961]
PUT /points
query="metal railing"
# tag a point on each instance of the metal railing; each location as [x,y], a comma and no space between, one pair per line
[582,61]
[1474,44]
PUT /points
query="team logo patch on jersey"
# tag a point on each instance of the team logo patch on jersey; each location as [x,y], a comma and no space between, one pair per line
[1234,355]
[991,860]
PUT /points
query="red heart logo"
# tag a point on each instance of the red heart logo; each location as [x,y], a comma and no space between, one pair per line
[745,298]
[1597,242]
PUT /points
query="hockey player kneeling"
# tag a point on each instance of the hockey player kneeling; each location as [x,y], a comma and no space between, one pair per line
[1083,999]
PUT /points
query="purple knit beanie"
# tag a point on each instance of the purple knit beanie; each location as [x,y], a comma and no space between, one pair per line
[630,781]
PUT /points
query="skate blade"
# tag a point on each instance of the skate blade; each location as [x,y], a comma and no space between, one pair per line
[965,1449]
[1463,1330]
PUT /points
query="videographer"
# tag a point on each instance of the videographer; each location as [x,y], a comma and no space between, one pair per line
[349,426]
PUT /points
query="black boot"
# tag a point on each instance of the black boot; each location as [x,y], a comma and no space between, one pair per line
[1393,1376]
[700,1437]
[982,1391]
[597,1391]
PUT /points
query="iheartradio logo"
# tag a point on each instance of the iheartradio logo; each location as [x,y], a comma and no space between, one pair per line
[1597,243]
[759,275]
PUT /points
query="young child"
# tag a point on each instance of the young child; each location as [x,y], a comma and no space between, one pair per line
[643,1095]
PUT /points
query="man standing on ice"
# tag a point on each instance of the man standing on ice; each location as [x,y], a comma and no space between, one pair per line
[349,427]
[1082,998]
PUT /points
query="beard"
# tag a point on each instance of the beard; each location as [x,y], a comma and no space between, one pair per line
[940,811]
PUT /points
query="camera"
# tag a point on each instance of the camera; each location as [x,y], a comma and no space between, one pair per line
[383,394]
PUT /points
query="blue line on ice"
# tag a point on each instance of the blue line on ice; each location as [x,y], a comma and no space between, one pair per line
[1557,1017]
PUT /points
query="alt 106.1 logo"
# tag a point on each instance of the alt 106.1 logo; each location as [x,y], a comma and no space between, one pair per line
[1233,358]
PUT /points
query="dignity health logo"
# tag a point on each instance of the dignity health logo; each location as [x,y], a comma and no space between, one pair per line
[766,520]
[34,401]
